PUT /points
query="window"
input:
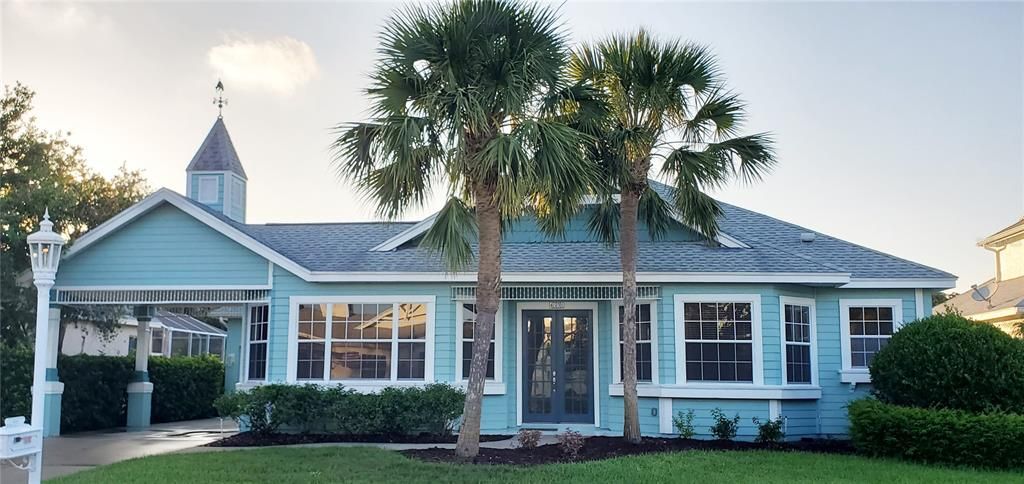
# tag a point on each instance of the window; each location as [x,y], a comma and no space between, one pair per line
[209,189]
[157,341]
[718,334]
[361,341]
[133,343]
[646,350]
[179,343]
[797,344]
[312,341]
[217,346]
[468,320]
[259,325]
[866,327]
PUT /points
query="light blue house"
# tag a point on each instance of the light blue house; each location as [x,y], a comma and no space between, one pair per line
[770,319]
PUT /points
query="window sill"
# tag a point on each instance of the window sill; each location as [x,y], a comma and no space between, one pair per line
[724,390]
[490,388]
[854,376]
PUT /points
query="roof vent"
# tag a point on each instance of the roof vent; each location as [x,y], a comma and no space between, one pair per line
[808,236]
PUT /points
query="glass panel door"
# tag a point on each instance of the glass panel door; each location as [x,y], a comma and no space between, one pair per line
[538,348]
[575,379]
[558,383]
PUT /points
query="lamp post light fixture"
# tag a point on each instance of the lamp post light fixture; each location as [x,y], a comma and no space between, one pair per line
[44,248]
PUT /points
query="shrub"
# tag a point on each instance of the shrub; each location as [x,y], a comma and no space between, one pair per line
[684,424]
[937,435]
[15,380]
[770,431]
[185,388]
[724,428]
[948,361]
[528,439]
[570,442]
[95,391]
[393,411]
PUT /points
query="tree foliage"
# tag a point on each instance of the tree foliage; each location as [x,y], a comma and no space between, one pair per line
[40,170]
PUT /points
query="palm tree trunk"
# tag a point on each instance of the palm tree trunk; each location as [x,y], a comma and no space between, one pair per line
[488,291]
[627,252]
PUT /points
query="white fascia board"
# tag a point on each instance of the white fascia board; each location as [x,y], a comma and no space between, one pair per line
[169,196]
[998,314]
[898,283]
[406,235]
[590,277]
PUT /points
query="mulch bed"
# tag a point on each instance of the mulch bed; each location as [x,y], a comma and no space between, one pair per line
[249,439]
[597,448]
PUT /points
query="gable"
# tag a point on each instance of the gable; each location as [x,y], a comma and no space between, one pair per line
[164,247]
[526,230]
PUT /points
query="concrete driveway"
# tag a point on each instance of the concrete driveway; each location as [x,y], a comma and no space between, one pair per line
[76,452]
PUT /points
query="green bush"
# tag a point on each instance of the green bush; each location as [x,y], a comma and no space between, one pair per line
[266,409]
[185,388]
[95,391]
[937,435]
[724,428]
[15,381]
[948,361]
[95,387]
[683,422]
[770,431]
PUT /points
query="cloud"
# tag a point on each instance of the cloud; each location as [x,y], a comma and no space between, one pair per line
[60,17]
[279,65]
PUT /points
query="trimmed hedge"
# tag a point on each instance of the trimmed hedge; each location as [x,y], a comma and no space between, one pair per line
[937,435]
[948,361]
[185,388]
[95,388]
[265,409]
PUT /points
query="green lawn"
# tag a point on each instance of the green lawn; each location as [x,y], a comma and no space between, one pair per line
[363,464]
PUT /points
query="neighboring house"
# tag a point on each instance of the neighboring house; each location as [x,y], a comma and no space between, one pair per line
[767,320]
[1000,300]
[172,335]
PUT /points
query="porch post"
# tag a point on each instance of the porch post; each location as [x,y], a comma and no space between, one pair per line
[140,390]
[53,389]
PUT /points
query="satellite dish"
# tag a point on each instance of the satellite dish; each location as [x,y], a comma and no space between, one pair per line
[980,294]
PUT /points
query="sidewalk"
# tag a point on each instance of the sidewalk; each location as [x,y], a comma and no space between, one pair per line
[77,452]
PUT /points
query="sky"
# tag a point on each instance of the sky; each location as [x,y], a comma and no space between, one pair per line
[899,126]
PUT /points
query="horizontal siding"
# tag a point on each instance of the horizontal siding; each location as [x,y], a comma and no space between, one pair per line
[703,420]
[165,247]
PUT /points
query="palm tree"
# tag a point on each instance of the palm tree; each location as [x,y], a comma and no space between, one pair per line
[465,97]
[666,101]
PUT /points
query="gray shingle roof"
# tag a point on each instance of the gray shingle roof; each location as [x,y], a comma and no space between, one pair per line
[217,153]
[775,246]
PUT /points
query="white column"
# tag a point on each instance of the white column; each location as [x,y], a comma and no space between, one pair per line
[54,315]
[42,356]
[142,345]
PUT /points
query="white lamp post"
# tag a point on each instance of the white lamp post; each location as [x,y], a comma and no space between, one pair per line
[44,248]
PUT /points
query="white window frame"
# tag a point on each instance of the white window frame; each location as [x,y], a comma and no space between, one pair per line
[849,374]
[799,301]
[498,344]
[246,320]
[202,194]
[616,365]
[756,341]
[361,383]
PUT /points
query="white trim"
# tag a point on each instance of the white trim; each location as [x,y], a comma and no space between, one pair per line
[616,370]
[406,235]
[569,305]
[774,409]
[848,374]
[826,278]
[724,391]
[665,416]
[293,337]
[756,343]
[491,387]
[897,283]
[140,387]
[197,287]
[799,301]
[1005,313]
[919,303]
[498,344]
[165,195]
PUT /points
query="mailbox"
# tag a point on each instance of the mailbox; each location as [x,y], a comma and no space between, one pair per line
[18,439]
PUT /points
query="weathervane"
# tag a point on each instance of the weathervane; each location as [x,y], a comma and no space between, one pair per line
[220,102]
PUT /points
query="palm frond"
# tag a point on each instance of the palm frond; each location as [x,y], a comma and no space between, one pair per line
[603,221]
[452,233]
[697,209]
[656,213]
